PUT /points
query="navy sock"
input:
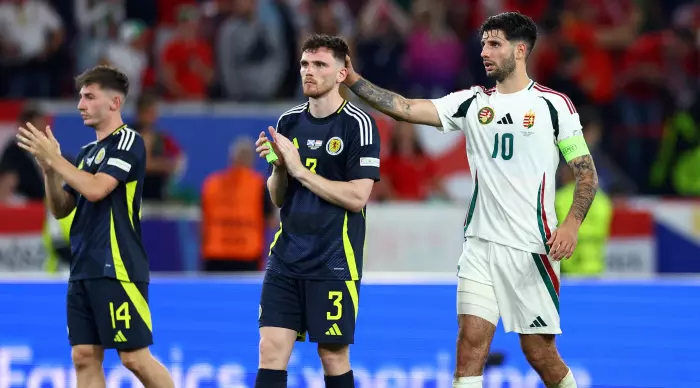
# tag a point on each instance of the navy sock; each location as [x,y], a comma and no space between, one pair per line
[346,380]
[270,378]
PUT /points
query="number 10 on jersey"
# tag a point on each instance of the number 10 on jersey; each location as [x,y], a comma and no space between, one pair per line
[506,149]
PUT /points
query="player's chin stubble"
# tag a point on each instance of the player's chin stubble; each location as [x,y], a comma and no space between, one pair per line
[503,72]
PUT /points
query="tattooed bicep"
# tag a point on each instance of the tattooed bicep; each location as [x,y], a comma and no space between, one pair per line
[583,166]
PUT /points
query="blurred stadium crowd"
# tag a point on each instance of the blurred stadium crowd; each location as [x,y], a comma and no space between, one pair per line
[631,67]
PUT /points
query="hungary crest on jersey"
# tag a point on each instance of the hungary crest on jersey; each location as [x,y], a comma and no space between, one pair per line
[529,119]
[486,115]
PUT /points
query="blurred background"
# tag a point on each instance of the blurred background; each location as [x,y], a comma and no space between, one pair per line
[208,76]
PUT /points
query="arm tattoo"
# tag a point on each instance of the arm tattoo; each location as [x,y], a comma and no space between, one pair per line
[586,186]
[385,101]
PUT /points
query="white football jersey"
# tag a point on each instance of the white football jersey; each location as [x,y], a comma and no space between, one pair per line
[513,150]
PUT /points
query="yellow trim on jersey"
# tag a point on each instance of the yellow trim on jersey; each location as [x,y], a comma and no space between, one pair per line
[274,240]
[120,270]
[130,194]
[116,131]
[352,266]
[573,147]
[345,102]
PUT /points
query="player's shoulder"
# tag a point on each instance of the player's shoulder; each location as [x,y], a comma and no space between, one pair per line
[363,126]
[127,139]
[292,114]
[559,100]
[356,115]
[475,90]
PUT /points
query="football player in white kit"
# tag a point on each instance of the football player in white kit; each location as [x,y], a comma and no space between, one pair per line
[509,266]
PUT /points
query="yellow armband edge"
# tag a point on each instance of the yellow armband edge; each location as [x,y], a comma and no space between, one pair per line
[573,147]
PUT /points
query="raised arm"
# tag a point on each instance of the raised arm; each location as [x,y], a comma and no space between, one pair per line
[390,103]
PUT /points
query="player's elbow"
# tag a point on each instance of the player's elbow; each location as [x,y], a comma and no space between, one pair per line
[93,196]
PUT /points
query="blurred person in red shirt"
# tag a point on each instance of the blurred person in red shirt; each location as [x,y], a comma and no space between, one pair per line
[659,73]
[408,173]
[188,68]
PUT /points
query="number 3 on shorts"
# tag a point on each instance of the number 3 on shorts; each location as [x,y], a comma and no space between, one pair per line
[121,314]
[337,298]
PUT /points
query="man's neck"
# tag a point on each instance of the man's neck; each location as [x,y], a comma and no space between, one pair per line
[106,128]
[515,83]
[325,105]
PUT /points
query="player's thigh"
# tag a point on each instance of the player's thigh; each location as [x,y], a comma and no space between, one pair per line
[281,303]
[121,312]
[475,291]
[331,310]
[527,289]
[82,328]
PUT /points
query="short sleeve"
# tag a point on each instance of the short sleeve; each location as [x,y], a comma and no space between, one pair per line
[363,146]
[453,108]
[569,135]
[124,155]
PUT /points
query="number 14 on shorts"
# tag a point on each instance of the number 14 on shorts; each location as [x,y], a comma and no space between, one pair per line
[121,313]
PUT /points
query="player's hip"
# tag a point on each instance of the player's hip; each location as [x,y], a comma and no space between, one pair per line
[530,242]
[313,268]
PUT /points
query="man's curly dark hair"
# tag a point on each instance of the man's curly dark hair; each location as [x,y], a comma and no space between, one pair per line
[337,45]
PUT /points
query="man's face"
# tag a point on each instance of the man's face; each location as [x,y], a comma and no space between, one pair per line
[320,72]
[96,104]
[498,55]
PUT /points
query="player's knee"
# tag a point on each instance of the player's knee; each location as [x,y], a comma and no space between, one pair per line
[334,358]
[472,344]
[272,353]
[85,357]
[539,351]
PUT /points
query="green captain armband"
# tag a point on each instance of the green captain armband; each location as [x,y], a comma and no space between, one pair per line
[272,156]
[573,147]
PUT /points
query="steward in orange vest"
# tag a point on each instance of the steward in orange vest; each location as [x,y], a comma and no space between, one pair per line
[235,212]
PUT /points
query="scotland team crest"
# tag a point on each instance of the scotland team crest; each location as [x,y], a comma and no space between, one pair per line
[100,156]
[486,115]
[529,119]
[334,146]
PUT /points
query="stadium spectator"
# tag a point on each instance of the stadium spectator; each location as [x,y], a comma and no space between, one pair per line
[382,31]
[129,54]
[163,155]
[15,159]
[432,38]
[98,25]
[236,210]
[408,173]
[187,59]
[31,33]
[251,52]
[9,181]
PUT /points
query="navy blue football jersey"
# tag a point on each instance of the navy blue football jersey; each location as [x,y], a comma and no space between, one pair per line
[317,239]
[105,236]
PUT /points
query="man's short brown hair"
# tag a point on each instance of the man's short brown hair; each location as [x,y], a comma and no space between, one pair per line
[106,77]
[337,45]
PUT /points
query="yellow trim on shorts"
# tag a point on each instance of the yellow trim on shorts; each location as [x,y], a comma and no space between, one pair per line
[130,288]
[352,266]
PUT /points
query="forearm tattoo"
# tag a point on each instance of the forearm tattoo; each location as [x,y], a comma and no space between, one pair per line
[586,186]
[385,101]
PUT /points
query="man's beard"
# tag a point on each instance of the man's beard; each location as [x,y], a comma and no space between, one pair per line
[504,71]
[317,92]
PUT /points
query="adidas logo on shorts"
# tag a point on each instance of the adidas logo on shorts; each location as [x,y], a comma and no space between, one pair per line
[538,322]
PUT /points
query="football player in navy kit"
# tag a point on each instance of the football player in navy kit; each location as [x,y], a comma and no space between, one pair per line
[324,165]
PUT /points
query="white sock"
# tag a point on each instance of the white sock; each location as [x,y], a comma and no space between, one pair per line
[567,382]
[469,382]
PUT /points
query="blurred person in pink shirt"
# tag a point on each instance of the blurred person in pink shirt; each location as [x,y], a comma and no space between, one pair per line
[434,54]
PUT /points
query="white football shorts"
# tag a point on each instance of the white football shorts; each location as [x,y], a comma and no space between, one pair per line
[496,281]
